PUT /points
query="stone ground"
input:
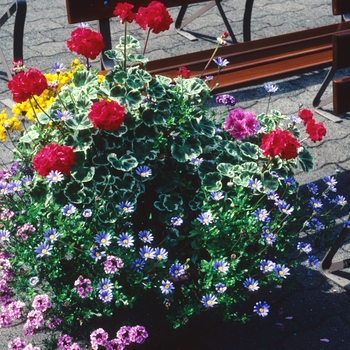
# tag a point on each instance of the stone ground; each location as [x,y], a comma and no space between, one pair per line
[310,312]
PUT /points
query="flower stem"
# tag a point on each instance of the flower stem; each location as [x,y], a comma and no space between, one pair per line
[146,42]
[125,31]
[210,59]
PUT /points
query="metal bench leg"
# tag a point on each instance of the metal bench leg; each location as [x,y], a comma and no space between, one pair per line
[105,29]
[20,6]
[180,23]
[329,267]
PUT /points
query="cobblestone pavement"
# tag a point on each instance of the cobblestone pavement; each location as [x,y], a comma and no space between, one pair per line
[308,311]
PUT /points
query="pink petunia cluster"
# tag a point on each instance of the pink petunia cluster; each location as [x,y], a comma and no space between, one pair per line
[112,264]
[240,124]
[41,303]
[124,336]
[83,286]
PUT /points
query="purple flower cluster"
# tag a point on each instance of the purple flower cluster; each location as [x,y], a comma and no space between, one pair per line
[124,336]
[83,286]
[35,319]
[240,124]
[225,99]
[25,230]
[65,343]
[112,264]
[41,303]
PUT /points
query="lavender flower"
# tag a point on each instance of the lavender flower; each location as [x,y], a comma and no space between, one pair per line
[261,308]
[225,99]
[176,270]
[43,249]
[144,171]
[63,115]
[251,284]
[103,238]
[68,210]
[221,62]
[126,207]
[125,240]
[209,300]
[167,287]
[205,218]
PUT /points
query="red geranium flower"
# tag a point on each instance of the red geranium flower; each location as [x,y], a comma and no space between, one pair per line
[315,130]
[184,72]
[54,157]
[107,115]
[155,16]
[26,84]
[86,42]
[124,12]
[306,115]
[280,143]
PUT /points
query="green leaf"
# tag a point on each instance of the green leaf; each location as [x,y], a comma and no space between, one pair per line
[212,182]
[137,58]
[169,202]
[119,77]
[269,182]
[204,126]
[165,81]
[81,140]
[226,169]
[151,117]
[84,174]
[30,135]
[188,149]
[130,43]
[83,78]
[125,163]
[74,192]
[155,89]
[233,150]
[144,149]
[114,55]
[306,160]
[249,150]
[250,167]
[79,122]
[196,203]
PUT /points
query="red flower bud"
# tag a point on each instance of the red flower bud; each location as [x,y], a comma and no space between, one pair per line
[184,72]
[224,35]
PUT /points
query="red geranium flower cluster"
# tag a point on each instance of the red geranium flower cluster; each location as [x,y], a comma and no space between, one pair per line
[155,16]
[240,124]
[124,11]
[184,72]
[280,143]
[315,130]
[86,42]
[26,84]
[107,115]
[54,157]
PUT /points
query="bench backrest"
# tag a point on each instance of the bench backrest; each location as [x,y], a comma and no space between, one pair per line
[91,10]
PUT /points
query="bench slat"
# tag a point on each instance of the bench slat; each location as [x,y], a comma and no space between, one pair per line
[91,10]
[260,61]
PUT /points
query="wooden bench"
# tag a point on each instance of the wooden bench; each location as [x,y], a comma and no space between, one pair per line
[20,8]
[102,11]
[251,62]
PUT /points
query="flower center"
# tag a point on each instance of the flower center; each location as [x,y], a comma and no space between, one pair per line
[52,237]
[44,251]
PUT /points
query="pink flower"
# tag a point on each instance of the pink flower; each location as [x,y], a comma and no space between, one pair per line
[240,124]
[41,302]
[98,337]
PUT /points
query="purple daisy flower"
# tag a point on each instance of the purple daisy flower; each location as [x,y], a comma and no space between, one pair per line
[251,284]
[167,287]
[42,249]
[125,240]
[176,270]
[147,252]
[205,218]
[209,300]
[221,266]
[261,308]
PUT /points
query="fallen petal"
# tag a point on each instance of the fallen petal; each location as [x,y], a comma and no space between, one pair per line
[325,340]
[289,317]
